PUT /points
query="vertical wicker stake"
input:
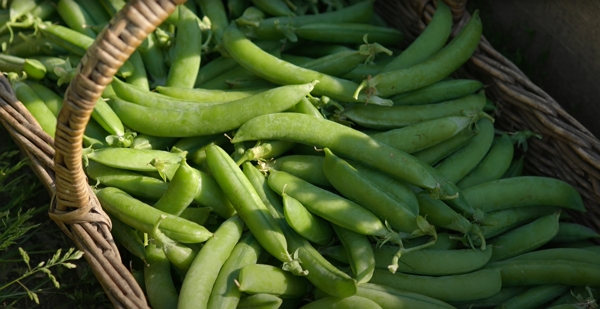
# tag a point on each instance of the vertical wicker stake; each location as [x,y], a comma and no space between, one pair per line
[76,209]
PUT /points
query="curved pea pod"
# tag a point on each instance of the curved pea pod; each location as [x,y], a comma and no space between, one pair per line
[142,217]
[321,273]
[341,63]
[495,163]
[565,254]
[498,222]
[136,184]
[391,117]
[342,303]
[436,68]
[523,191]
[525,238]
[349,33]
[136,159]
[351,184]
[429,42]
[391,298]
[49,96]
[534,297]
[537,272]
[128,238]
[181,191]
[260,301]
[206,95]
[494,300]
[274,7]
[242,195]
[32,102]
[32,67]
[422,135]
[460,163]
[474,285]
[571,232]
[438,152]
[313,228]
[159,284]
[179,255]
[197,285]
[130,93]
[225,294]
[516,168]
[441,91]
[359,252]
[145,141]
[441,215]
[265,150]
[185,60]
[200,120]
[261,278]
[307,167]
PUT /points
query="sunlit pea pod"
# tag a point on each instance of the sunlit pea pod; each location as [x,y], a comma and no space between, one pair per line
[523,191]
[196,214]
[206,95]
[107,118]
[471,286]
[525,238]
[359,253]
[571,232]
[282,72]
[200,120]
[304,106]
[76,17]
[309,168]
[309,226]
[37,108]
[145,141]
[179,255]
[52,99]
[265,150]
[262,278]
[537,272]
[321,273]
[349,33]
[429,42]
[460,163]
[565,254]
[503,295]
[32,67]
[274,28]
[391,117]
[438,152]
[142,217]
[139,77]
[182,190]
[439,92]
[434,69]
[422,135]
[136,159]
[185,59]
[391,298]
[352,185]
[215,11]
[225,294]
[160,288]
[342,303]
[260,301]
[495,163]
[242,195]
[203,273]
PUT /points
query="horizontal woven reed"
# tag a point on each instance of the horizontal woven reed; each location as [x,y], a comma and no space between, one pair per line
[567,151]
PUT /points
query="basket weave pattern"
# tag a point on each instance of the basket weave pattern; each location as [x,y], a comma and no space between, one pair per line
[568,151]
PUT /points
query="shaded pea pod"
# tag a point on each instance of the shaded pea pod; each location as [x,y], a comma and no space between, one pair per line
[342,303]
[250,207]
[197,285]
[142,217]
[498,222]
[391,298]
[359,252]
[145,141]
[154,61]
[313,228]
[565,254]
[200,120]
[422,135]
[138,159]
[471,286]
[215,11]
[492,301]
[538,272]
[321,273]
[523,191]
[128,238]
[571,232]
[261,278]
[495,163]
[160,288]
[438,152]
[429,42]
[349,33]
[441,215]
[436,68]
[516,168]
[260,301]
[439,92]
[225,294]
[574,297]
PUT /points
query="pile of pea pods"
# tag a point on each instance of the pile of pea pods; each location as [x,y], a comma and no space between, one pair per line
[298,154]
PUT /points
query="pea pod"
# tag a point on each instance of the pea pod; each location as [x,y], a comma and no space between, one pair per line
[438,152]
[181,191]
[128,238]
[349,33]
[260,301]
[250,207]
[439,92]
[37,108]
[206,95]
[391,298]
[185,61]
[142,217]
[32,67]
[50,98]
[179,255]
[359,252]
[160,287]
[261,278]
[494,300]
[536,272]
[571,232]
[313,228]
[265,150]
[309,168]
[342,303]
[565,254]
[75,17]
[498,222]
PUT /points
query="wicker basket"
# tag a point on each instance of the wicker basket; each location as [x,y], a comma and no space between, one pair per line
[568,151]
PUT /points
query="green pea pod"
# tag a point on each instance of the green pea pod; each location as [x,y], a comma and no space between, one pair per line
[436,68]
[525,238]
[391,117]
[536,272]
[351,184]
[349,33]
[306,167]
[306,107]
[206,95]
[153,59]
[142,217]
[196,214]
[32,67]
[429,42]
[523,191]
[160,287]
[516,168]
[565,254]
[249,206]
[215,11]
[204,271]
[139,77]
[313,228]
[439,92]
[107,118]
[225,294]
[181,191]
[498,222]
[460,163]
[261,278]
[494,300]
[342,63]
[35,106]
[534,297]
[474,285]
[438,152]
[571,232]
[145,141]
[128,238]
[265,150]
[342,303]
[137,159]
[200,121]
[275,8]
[133,183]
[213,69]
[50,98]
[321,273]
[76,17]
[391,298]
[185,61]
[359,252]
[179,255]
[260,301]
[495,163]
[441,215]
